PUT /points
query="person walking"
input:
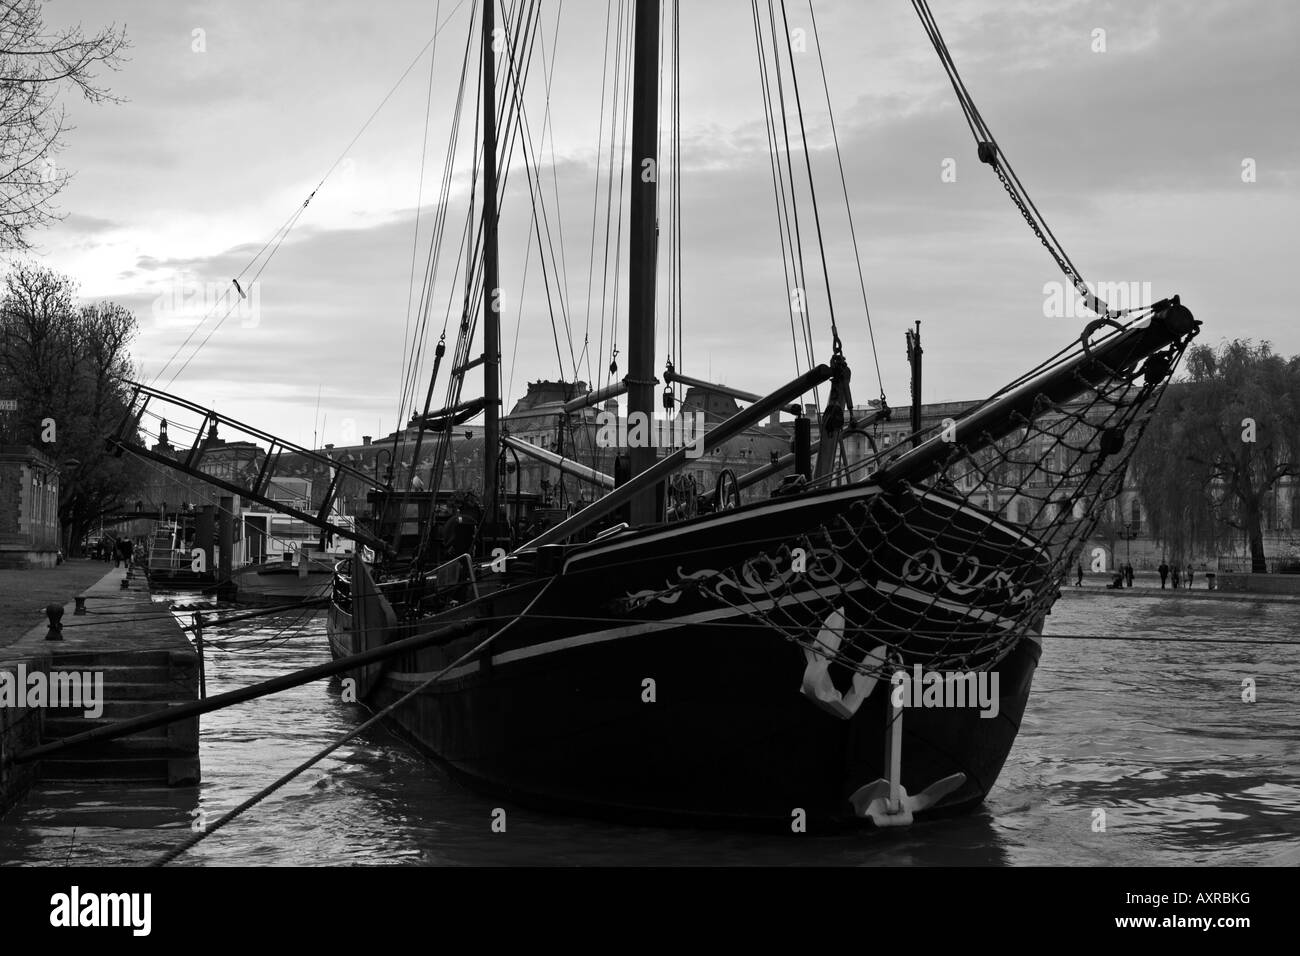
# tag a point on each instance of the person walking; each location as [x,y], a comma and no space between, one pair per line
[1174,576]
[1190,574]
[1128,575]
[1078,581]
[1163,571]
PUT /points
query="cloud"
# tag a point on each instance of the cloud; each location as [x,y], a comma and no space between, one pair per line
[1133,155]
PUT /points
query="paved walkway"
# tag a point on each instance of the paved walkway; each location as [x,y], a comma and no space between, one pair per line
[116,619]
[24,594]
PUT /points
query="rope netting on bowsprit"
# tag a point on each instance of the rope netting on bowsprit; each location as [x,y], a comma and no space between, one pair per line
[950,572]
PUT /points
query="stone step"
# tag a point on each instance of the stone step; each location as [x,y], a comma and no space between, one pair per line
[160,691]
[119,708]
[101,659]
[59,728]
[178,744]
[120,674]
[173,740]
[167,770]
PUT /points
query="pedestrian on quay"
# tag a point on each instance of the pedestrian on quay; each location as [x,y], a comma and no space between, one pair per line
[1163,571]
[1190,574]
[1078,581]
[1174,576]
[1128,575]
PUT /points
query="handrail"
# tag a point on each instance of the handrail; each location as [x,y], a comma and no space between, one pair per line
[469,564]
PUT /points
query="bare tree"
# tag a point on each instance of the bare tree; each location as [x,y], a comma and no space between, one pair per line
[36,64]
[65,364]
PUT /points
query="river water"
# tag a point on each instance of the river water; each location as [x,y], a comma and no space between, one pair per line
[1151,740]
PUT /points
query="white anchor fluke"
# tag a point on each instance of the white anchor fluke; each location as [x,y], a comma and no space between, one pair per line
[817,685]
[873,800]
[886,801]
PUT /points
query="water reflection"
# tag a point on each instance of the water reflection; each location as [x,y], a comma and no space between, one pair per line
[1154,735]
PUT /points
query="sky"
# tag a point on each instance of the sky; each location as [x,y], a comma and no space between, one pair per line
[1164,151]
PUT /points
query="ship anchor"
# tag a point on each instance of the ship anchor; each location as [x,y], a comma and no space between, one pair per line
[886,802]
[817,685]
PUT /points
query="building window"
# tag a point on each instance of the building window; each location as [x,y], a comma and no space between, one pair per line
[1135,514]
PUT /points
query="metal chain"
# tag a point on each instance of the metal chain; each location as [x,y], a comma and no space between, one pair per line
[1076,280]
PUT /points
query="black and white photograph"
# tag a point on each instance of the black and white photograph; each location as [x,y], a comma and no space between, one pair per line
[650,433]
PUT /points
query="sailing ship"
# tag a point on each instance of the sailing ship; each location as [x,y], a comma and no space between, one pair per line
[661,657]
[739,666]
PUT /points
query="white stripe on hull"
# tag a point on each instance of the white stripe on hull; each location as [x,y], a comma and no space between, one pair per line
[701,617]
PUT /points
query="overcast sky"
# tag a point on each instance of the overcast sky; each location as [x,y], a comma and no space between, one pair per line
[1135,156]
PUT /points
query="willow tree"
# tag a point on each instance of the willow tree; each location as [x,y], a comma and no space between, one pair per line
[1222,440]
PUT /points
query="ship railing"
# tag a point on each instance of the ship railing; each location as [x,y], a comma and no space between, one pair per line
[341,592]
[448,575]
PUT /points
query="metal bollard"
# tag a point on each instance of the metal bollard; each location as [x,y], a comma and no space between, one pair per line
[198,647]
[81,607]
[55,613]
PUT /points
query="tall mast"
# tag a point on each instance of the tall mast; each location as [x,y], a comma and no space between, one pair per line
[491,298]
[643,234]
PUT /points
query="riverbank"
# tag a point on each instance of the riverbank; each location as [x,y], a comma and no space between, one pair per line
[1148,585]
[25,593]
[124,657]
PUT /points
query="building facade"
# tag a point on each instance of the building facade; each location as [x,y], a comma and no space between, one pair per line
[1123,533]
[29,508]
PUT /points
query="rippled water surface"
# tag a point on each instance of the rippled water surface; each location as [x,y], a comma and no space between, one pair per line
[1154,734]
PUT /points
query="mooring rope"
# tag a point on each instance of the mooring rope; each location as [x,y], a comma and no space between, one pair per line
[375,718]
[123,617]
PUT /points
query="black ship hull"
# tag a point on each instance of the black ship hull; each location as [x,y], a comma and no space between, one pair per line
[687,708]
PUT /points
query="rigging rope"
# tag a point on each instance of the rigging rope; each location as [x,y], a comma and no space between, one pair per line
[280,235]
[419,202]
[992,154]
[848,206]
[932,571]
[788,274]
[799,295]
[837,346]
